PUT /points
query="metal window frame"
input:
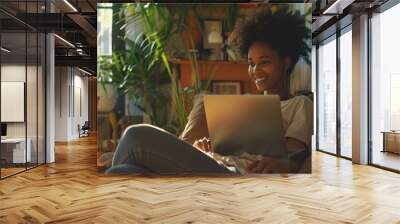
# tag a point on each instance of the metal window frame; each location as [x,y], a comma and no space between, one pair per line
[387,5]
[337,35]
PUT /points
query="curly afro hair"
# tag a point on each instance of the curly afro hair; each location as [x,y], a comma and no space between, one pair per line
[281,27]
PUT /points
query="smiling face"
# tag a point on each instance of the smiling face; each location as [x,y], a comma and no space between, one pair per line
[267,68]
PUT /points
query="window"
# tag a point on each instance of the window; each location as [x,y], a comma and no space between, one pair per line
[346,93]
[385,83]
[394,118]
[327,96]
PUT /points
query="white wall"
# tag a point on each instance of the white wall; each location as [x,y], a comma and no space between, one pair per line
[61,103]
[71,93]
[34,125]
[81,84]
[16,73]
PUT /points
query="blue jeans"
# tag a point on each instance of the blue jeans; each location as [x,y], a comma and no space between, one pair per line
[149,149]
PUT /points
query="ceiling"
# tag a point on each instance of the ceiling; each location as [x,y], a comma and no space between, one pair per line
[72,20]
[331,15]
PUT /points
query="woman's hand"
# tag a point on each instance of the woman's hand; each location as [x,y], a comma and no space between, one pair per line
[269,165]
[203,144]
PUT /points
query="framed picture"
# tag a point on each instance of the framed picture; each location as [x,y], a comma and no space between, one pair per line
[212,35]
[226,87]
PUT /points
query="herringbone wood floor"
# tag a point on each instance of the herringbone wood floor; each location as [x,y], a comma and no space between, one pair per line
[72,191]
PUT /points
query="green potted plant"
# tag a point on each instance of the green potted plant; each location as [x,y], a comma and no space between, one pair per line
[137,72]
[160,23]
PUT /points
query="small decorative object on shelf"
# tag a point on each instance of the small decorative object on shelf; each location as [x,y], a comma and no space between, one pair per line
[213,39]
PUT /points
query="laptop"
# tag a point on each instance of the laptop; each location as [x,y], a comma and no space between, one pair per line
[245,123]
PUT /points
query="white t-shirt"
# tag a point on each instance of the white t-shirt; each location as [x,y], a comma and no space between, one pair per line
[297,118]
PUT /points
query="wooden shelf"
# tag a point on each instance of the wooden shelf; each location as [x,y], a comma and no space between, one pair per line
[188,62]
[248,5]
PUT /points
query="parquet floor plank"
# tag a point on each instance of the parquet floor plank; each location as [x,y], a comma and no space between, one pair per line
[72,191]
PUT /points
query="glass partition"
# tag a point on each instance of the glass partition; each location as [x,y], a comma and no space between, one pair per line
[22,91]
[13,99]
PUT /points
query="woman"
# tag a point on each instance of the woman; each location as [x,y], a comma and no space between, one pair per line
[272,43]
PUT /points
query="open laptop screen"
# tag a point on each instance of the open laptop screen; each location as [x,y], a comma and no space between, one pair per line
[245,123]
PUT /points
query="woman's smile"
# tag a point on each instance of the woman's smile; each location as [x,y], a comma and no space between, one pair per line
[259,80]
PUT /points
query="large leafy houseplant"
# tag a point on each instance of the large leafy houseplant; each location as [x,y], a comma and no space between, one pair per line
[138,74]
[141,69]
